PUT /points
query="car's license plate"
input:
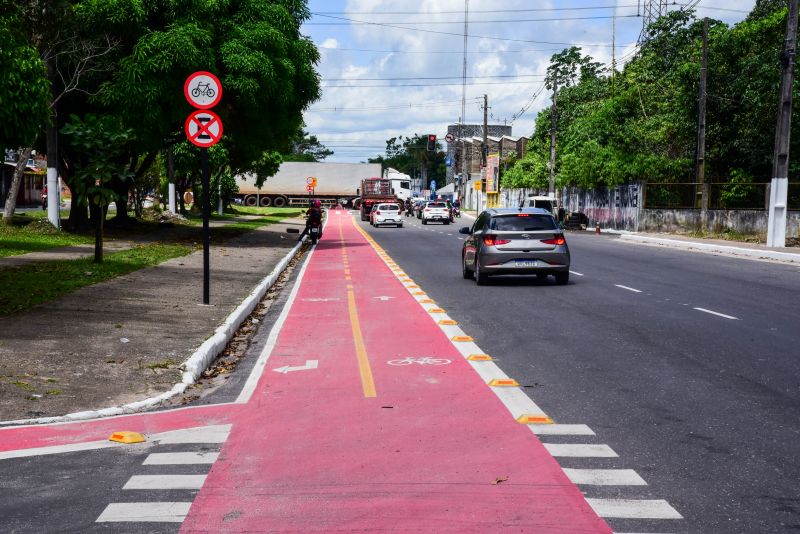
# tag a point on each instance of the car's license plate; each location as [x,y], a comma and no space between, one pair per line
[526,263]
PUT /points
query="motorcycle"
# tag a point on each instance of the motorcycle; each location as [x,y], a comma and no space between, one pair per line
[456,211]
[314,231]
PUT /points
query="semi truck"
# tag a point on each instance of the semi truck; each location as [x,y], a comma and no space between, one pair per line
[377,191]
[336,183]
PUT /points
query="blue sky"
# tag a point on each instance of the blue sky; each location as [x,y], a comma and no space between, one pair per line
[380,81]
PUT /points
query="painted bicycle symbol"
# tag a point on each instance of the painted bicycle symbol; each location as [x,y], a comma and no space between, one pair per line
[425,360]
[203,89]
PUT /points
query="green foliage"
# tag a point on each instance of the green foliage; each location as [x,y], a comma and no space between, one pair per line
[102,142]
[641,124]
[305,147]
[24,90]
[738,191]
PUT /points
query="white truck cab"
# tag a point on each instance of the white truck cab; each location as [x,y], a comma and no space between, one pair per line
[545,202]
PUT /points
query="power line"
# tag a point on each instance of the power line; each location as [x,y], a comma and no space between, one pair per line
[529,10]
[549,19]
[433,104]
[489,37]
[424,84]
[432,78]
[439,51]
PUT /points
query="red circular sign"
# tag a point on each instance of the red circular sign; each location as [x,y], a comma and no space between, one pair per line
[202,90]
[203,128]
[309,188]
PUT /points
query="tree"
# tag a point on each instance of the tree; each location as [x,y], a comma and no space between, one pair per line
[305,147]
[409,155]
[101,141]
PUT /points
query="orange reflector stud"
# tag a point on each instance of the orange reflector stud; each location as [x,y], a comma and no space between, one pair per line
[407,280]
[426,301]
[418,293]
[536,419]
[447,322]
[480,358]
[412,287]
[504,382]
[461,338]
[436,310]
[126,436]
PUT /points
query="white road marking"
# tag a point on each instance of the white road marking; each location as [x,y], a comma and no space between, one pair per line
[58,449]
[717,314]
[164,482]
[628,288]
[605,477]
[205,434]
[181,458]
[461,238]
[153,512]
[580,450]
[517,402]
[576,274]
[634,509]
[561,430]
[310,364]
[272,340]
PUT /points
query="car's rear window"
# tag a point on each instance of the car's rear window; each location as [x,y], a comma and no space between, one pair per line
[389,207]
[437,205]
[522,222]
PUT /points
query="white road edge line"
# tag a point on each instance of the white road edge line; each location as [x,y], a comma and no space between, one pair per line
[627,288]
[576,274]
[261,363]
[717,314]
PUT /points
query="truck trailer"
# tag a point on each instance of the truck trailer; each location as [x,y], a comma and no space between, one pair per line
[336,183]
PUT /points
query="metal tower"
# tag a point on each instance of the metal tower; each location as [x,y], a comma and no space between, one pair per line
[651,10]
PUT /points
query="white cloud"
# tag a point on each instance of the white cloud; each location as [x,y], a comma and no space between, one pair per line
[429,60]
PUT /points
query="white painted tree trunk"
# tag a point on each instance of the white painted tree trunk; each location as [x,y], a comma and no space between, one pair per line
[19,172]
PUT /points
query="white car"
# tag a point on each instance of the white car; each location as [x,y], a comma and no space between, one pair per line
[387,214]
[436,210]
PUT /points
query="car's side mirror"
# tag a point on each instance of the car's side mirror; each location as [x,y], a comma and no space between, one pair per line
[465,230]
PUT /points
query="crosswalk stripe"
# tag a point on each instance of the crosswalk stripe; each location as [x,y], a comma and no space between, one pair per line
[580,450]
[561,430]
[171,458]
[153,512]
[605,477]
[165,482]
[206,434]
[634,509]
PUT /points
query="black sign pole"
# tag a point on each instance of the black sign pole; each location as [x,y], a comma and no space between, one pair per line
[206,215]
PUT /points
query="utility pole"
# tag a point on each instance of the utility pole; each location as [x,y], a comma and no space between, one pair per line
[700,175]
[778,191]
[613,52]
[551,189]
[485,144]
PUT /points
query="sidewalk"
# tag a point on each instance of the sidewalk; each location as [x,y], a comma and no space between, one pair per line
[122,340]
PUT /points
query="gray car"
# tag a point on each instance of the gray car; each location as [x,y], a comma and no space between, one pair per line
[515,241]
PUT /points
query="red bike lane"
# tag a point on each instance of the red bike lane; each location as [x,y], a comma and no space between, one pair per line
[392,430]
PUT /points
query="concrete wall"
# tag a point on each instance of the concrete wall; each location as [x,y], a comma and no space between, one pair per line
[753,222]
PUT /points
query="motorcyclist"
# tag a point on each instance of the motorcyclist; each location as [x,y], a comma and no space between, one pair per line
[409,206]
[457,207]
[313,215]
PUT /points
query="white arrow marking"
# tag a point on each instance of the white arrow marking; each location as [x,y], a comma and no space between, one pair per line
[321,299]
[383,298]
[310,364]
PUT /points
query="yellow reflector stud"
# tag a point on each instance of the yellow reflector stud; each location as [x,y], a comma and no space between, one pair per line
[436,310]
[407,280]
[418,293]
[426,301]
[480,358]
[461,338]
[536,419]
[126,436]
[504,382]
[447,322]
[412,287]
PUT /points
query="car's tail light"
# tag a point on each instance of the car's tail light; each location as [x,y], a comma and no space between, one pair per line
[377,213]
[558,240]
[427,209]
[493,240]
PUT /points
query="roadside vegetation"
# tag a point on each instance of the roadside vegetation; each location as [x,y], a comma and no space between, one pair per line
[26,235]
[639,124]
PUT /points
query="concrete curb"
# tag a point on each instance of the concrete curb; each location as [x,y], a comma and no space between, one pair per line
[786,257]
[194,366]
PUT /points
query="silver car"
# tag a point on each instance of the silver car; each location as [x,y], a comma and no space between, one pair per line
[515,241]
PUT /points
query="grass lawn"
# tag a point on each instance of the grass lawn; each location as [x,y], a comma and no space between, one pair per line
[24,236]
[23,287]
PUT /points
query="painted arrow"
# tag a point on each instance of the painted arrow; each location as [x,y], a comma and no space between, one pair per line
[383,298]
[310,364]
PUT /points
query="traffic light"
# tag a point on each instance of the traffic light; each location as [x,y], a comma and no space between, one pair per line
[431,142]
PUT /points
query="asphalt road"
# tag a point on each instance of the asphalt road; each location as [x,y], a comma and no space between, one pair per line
[686,364]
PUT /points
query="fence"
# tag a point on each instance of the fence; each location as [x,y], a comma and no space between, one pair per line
[721,196]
